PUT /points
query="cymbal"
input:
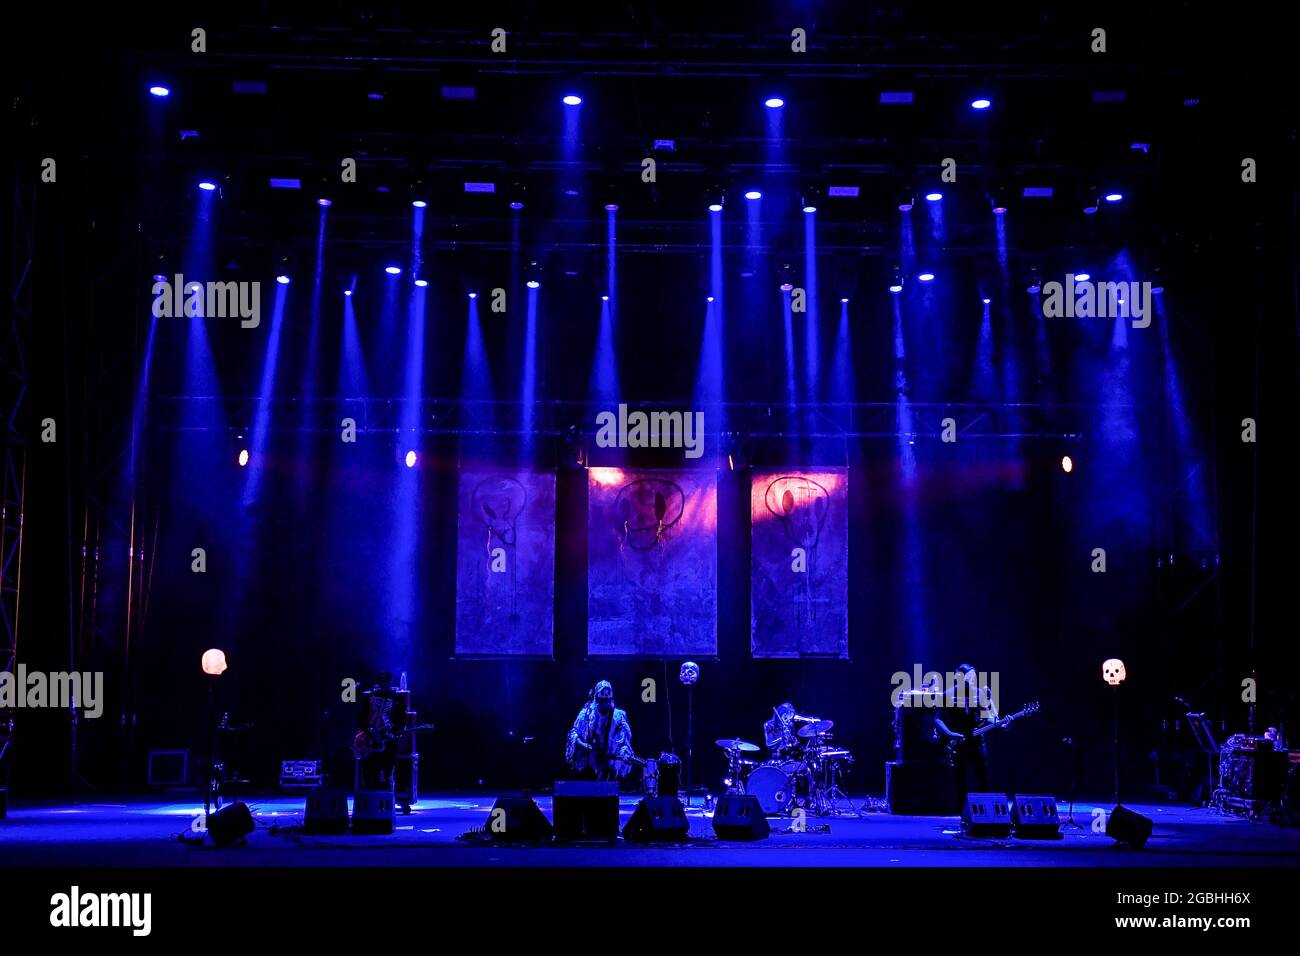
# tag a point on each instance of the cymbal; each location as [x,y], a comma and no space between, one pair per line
[735,743]
[816,729]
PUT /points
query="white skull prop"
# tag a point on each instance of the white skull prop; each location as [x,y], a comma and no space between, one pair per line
[1113,671]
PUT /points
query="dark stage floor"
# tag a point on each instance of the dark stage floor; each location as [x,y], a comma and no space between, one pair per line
[144,833]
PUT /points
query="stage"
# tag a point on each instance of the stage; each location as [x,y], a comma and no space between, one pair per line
[146,833]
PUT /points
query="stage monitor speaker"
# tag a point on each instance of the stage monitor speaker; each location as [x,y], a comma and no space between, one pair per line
[231,823]
[373,812]
[518,820]
[657,820]
[740,818]
[586,810]
[326,811]
[1035,816]
[1125,826]
[921,788]
[986,815]
[169,768]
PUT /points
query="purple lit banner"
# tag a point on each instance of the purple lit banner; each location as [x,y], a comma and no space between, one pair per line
[799,563]
[652,553]
[505,564]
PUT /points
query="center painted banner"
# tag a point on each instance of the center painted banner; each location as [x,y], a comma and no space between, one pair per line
[652,562]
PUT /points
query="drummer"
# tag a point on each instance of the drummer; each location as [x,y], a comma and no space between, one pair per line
[779,732]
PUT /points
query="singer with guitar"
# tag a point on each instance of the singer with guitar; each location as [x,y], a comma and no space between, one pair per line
[600,743]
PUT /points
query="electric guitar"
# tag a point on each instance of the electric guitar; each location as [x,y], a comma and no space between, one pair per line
[955,746]
[367,741]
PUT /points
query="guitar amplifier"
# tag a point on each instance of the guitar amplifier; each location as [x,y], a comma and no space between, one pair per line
[297,774]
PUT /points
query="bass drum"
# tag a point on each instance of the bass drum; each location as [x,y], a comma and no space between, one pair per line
[773,787]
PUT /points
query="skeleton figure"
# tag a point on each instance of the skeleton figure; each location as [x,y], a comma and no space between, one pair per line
[601,738]
[498,501]
[1113,671]
[801,506]
[646,509]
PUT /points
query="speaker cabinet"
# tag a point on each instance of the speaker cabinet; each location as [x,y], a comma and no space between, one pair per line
[326,811]
[1035,816]
[657,820]
[231,823]
[373,812]
[740,818]
[921,788]
[517,819]
[986,815]
[1125,826]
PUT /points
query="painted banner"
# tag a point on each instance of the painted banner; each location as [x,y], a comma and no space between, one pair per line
[799,564]
[652,562]
[505,564]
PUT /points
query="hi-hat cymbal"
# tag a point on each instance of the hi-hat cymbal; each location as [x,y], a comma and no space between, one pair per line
[735,743]
[816,729]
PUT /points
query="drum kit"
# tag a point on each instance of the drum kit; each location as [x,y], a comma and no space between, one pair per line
[803,771]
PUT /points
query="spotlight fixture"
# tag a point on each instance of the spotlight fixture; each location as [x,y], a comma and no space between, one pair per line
[282,279]
[411,459]
[207,186]
[787,286]
[611,207]
[516,205]
[534,284]
[604,298]
[473,295]
[1113,197]
[347,292]
[986,300]
[753,194]
[774,102]
[393,270]
[926,277]
[573,100]
[160,91]
[1089,210]
[1082,277]
[896,288]
[323,202]
[999,210]
[844,301]
[810,209]
[933,197]
[905,206]
[715,207]
[422,283]
[243,457]
[419,204]
[708,298]
[1067,464]
[980,104]
[1034,288]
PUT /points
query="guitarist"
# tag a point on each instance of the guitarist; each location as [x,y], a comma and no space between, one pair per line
[600,744]
[966,705]
[380,720]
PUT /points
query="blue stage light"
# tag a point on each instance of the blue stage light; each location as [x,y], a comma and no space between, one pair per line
[1067,464]
[207,186]
[160,91]
[1114,197]
[980,104]
[411,459]
[347,291]
[1081,277]
[282,279]
[809,208]
[422,283]
[895,288]
[534,284]
[419,204]
[516,205]
[753,194]
[999,210]
[933,197]
[393,270]
[715,207]
[986,301]
[473,295]
[904,207]
[926,277]
[323,202]
[573,100]
[243,457]
[774,102]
